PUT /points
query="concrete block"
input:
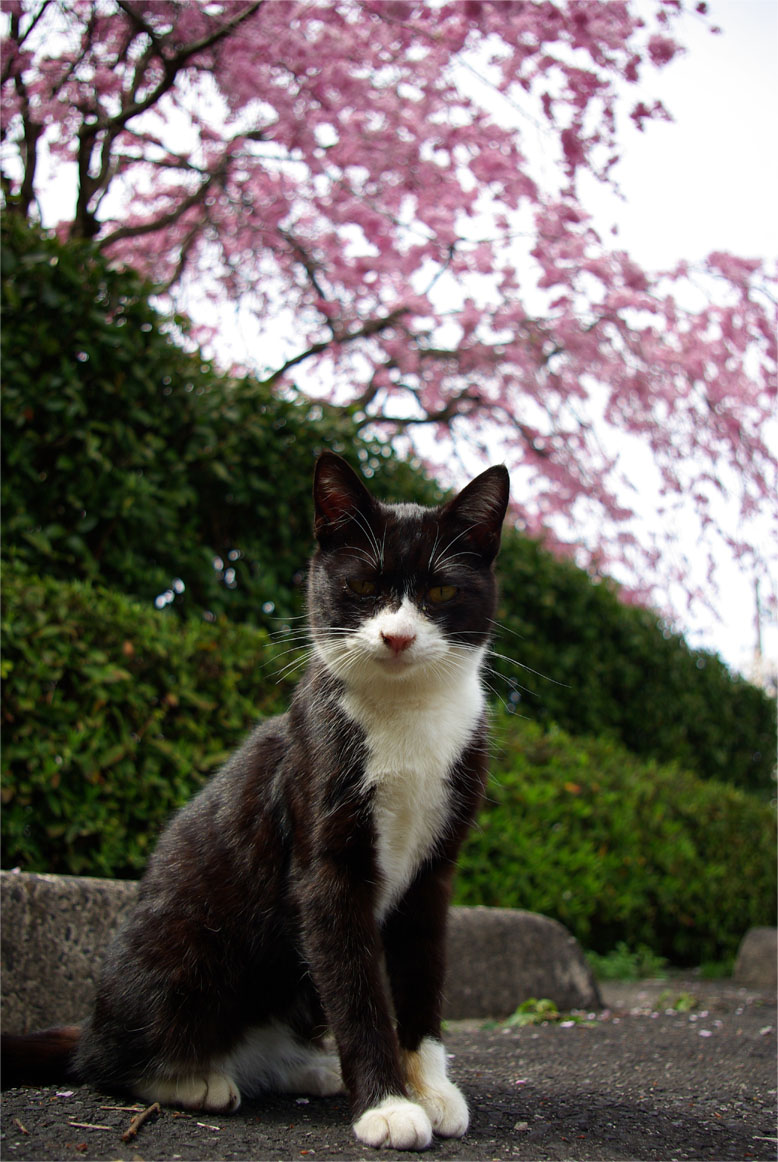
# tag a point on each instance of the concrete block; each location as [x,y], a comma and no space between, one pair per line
[499,957]
[55,930]
[756,966]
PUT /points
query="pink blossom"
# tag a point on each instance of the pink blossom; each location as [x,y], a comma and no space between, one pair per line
[662,49]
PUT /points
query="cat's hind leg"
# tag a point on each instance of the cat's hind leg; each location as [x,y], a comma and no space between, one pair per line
[214,1091]
[318,1076]
[273,1058]
[428,1083]
[270,1058]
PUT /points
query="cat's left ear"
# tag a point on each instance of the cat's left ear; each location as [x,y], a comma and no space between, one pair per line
[481,508]
[339,498]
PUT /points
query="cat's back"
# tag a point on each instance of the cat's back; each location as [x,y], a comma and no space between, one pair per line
[243,824]
[234,827]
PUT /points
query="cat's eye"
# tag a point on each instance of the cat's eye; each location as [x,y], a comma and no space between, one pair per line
[361,586]
[439,594]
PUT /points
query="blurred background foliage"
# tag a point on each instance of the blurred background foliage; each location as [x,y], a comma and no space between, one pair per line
[157,526]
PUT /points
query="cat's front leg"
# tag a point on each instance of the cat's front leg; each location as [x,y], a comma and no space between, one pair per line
[396,1122]
[414,941]
[343,947]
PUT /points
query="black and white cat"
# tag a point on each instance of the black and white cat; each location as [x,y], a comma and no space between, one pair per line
[305,888]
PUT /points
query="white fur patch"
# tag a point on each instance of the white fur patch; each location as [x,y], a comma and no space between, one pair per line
[268,1059]
[271,1058]
[418,710]
[214,1091]
[429,1084]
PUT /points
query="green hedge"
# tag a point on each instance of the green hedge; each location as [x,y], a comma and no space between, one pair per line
[596,666]
[114,713]
[112,716]
[618,849]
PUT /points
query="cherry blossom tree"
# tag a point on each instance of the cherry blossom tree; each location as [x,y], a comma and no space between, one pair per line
[395,192]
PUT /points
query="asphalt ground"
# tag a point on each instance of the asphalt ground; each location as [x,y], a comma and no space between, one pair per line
[682,1069]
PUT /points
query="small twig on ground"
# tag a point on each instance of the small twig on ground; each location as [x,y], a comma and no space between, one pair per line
[90,1126]
[20,1127]
[139,1119]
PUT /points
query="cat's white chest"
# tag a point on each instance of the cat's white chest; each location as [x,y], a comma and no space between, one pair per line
[413,740]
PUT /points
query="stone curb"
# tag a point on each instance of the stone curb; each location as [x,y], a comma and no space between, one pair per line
[756,966]
[55,929]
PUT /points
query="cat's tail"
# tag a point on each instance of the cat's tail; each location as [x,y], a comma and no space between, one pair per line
[39,1058]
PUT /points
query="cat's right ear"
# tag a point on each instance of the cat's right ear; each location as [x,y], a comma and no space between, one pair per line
[339,498]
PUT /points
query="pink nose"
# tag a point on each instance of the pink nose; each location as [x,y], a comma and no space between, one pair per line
[397,642]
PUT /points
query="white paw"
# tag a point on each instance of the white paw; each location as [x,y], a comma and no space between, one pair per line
[395,1122]
[429,1085]
[222,1094]
[318,1078]
[446,1108]
[215,1092]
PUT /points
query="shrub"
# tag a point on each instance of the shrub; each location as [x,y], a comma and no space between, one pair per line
[112,716]
[623,963]
[596,666]
[618,849]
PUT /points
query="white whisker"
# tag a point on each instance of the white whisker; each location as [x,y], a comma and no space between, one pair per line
[529,669]
[442,557]
[358,518]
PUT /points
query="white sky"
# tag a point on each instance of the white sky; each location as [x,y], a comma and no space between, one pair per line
[709,181]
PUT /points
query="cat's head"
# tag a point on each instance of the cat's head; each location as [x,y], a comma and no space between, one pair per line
[398,590]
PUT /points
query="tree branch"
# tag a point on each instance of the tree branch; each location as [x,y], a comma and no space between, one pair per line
[184,251]
[108,128]
[19,38]
[31,129]
[371,327]
[306,262]
[460,404]
[217,175]
[172,65]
